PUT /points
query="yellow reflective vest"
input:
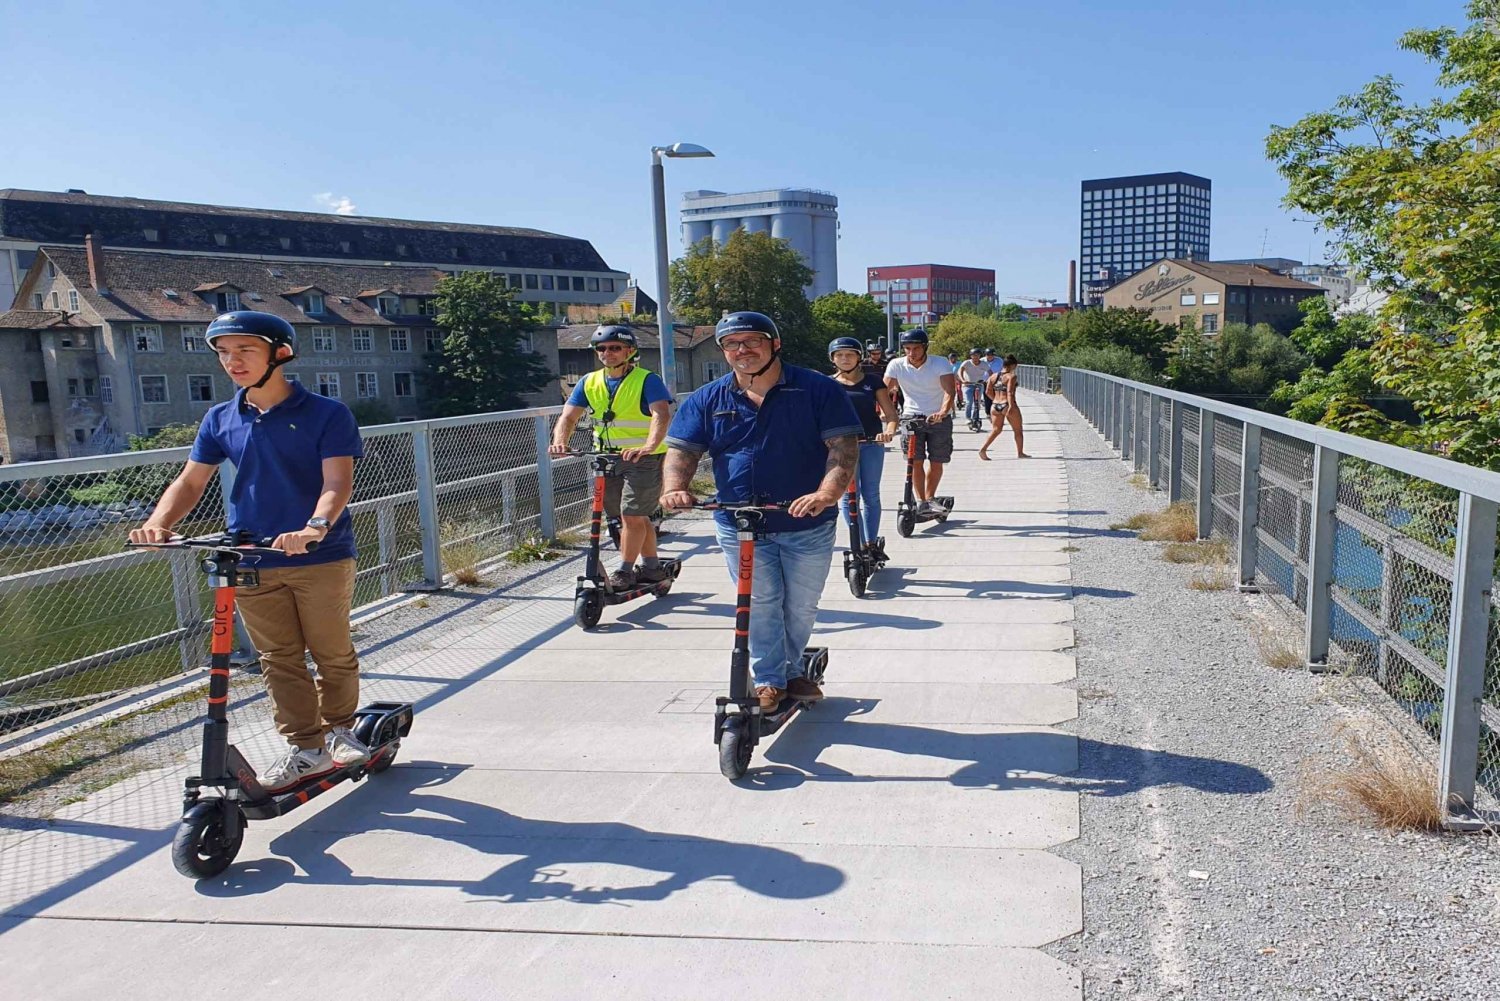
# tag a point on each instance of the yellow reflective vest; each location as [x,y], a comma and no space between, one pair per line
[619,421]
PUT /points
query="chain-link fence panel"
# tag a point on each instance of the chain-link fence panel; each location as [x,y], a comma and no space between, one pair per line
[82,618]
[1191,429]
[1285,516]
[1164,446]
[1228,446]
[486,485]
[387,527]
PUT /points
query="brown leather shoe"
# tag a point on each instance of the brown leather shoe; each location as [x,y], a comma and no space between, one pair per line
[805,689]
[770,697]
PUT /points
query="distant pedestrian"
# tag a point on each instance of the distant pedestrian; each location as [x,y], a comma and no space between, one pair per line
[1005,409]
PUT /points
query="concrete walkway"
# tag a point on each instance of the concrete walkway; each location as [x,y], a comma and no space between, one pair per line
[557,826]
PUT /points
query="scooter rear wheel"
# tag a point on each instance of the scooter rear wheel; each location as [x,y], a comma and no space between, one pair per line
[734,749]
[586,610]
[199,848]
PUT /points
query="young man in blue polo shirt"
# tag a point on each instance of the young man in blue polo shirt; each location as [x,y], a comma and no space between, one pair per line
[293,454]
[776,433]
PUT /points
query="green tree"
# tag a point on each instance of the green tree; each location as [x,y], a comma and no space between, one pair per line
[1250,361]
[1318,396]
[1132,329]
[368,413]
[1324,338]
[171,436]
[840,314]
[749,271]
[1193,367]
[1409,190]
[1111,359]
[482,366]
[1010,311]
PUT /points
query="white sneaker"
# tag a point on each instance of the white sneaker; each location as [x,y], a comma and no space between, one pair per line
[298,764]
[345,748]
[927,507]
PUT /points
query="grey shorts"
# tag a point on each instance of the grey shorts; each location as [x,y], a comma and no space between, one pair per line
[638,484]
[935,441]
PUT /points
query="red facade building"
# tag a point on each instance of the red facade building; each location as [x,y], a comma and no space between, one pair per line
[925,293]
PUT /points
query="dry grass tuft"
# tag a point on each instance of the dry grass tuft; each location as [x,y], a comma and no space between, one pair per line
[1138,480]
[533,549]
[1178,523]
[1206,552]
[1209,580]
[1134,523]
[1390,786]
[1276,650]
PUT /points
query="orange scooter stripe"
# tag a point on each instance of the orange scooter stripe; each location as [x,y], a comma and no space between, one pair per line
[218,701]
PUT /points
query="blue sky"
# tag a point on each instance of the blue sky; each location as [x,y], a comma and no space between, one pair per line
[952,132]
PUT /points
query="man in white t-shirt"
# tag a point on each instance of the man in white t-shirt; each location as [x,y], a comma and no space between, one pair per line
[972,375]
[926,385]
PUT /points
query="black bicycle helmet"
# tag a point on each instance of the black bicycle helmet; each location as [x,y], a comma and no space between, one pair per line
[249,323]
[746,321]
[916,335]
[613,333]
[873,346]
[845,344]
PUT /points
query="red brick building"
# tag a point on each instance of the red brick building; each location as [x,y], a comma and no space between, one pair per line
[925,293]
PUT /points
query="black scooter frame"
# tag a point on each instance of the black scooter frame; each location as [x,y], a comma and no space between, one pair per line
[592,592]
[213,826]
[739,722]
[908,516]
[860,562]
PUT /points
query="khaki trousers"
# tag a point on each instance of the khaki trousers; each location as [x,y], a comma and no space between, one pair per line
[300,610]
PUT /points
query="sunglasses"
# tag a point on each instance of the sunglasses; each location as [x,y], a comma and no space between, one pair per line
[601,348]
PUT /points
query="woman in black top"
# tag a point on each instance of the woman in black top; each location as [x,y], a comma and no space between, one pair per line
[872,402]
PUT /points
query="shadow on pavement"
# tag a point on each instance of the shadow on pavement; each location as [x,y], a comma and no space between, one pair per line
[998,761]
[545,848]
[892,582]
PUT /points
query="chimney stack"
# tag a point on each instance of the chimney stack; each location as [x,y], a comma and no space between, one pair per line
[95,255]
[1072,284]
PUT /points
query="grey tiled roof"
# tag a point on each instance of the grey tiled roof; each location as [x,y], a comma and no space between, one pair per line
[137,284]
[52,217]
[575,336]
[39,319]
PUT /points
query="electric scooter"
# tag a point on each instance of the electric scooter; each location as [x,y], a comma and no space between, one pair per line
[862,559]
[977,423]
[739,722]
[593,591]
[657,517]
[213,826]
[908,512]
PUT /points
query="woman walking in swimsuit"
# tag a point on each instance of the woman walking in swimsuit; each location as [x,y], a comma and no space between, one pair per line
[1005,410]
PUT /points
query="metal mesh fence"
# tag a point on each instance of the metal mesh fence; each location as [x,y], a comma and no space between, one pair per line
[1191,417]
[1228,443]
[1285,516]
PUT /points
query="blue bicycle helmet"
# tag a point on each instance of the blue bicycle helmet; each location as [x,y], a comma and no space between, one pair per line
[916,335]
[846,344]
[249,323]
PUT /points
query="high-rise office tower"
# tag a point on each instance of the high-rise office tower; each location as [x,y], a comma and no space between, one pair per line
[1127,223]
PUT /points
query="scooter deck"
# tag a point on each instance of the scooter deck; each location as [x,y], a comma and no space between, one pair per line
[672,565]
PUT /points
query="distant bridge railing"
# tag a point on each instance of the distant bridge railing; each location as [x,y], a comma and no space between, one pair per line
[1388,554]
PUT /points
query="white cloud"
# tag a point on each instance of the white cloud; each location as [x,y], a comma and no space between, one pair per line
[338,204]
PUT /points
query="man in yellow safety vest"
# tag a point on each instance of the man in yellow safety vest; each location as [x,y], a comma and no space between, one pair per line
[631,409]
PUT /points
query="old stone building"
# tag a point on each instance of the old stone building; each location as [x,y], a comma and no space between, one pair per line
[698,359]
[1212,294]
[112,342]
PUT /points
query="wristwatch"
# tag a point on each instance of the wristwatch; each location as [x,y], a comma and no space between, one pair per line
[318,523]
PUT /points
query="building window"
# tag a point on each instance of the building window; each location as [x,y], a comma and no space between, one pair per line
[547,282]
[228,302]
[346,247]
[88,387]
[313,303]
[427,307]
[593,284]
[151,235]
[712,370]
[72,300]
[153,389]
[366,385]
[362,339]
[523,343]
[56,303]
[39,393]
[106,389]
[222,239]
[1210,298]
[400,339]
[147,337]
[607,284]
[387,305]
[79,435]
[328,384]
[434,341]
[73,388]
[1188,299]
[577,283]
[192,339]
[403,384]
[39,301]
[51,270]
[531,281]
[325,339]
[286,242]
[1210,323]
[201,388]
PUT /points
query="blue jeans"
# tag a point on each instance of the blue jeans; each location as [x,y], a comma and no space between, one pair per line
[790,571]
[871,464]
[974,395]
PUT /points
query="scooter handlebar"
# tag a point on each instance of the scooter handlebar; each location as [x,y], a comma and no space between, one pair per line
[221,542]
[713,504]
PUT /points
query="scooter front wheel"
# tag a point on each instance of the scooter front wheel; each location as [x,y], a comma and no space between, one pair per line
[858,577]
[734,749]
[199,848]
[586,609]
[905,524]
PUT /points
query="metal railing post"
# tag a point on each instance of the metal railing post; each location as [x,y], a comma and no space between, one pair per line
[1249,507]
[548,520]
[1117,417]
[1174,459]
[1468,640]
[1153,443]
[1324,506]
[1138,448]
[427,508]
[1205,474]
[1127,426]
[385,536]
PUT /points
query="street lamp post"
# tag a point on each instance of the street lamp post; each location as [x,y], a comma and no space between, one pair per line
[659,209]
[890,311]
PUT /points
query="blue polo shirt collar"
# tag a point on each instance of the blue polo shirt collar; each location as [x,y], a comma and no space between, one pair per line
[296,399]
